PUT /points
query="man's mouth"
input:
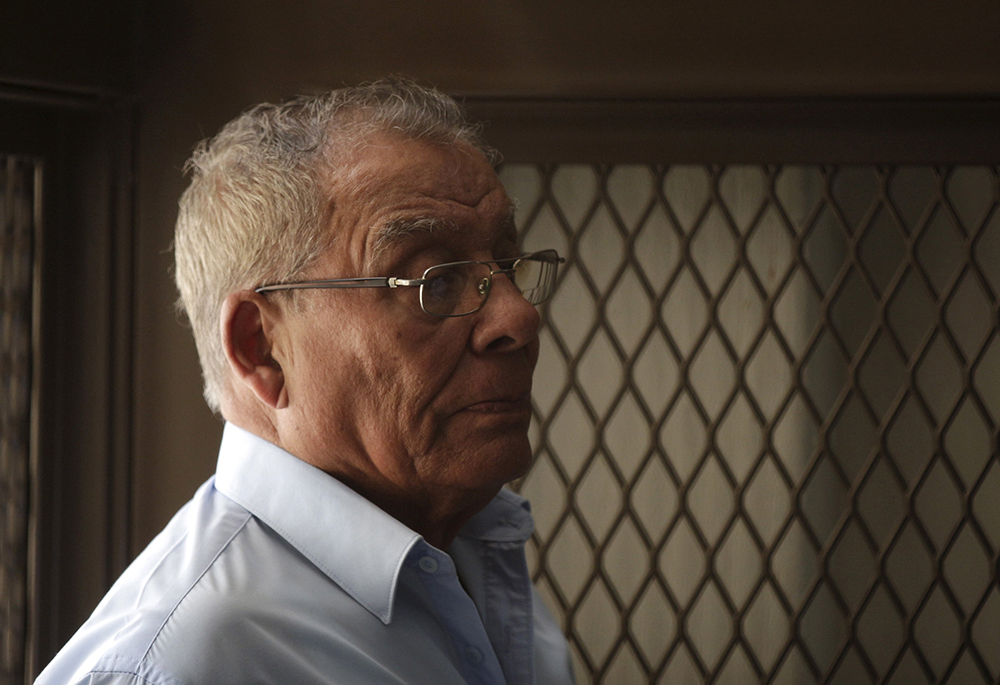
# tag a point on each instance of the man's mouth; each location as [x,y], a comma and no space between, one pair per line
[518,404]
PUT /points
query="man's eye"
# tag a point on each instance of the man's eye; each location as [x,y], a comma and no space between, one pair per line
[445,283]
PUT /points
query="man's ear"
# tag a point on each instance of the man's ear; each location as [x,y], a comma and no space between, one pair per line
[247,326]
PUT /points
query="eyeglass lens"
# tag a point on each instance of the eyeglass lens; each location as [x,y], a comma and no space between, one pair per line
[456,289]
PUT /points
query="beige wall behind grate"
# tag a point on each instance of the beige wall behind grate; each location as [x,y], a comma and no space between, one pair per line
[766,417]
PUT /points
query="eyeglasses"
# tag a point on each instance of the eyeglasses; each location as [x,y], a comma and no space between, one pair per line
[457,288]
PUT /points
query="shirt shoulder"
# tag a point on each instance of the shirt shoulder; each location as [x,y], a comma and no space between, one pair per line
[116,639]
[222,597]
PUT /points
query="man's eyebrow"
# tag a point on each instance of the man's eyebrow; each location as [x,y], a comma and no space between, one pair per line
[396,229]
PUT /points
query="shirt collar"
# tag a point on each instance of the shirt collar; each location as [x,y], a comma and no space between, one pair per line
[505,519]
[325,520]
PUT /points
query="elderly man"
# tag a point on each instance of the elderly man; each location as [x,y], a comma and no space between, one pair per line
[366,326]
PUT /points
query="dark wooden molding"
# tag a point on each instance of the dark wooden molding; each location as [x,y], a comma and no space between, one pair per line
[848,130]
[82,481]
[60,95]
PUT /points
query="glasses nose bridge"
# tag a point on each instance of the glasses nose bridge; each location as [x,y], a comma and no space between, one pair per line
[508,272]
[486,283]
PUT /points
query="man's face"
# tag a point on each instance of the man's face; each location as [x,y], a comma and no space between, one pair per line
[380,393]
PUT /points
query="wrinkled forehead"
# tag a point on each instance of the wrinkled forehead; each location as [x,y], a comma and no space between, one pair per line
[384,162]
[391,188]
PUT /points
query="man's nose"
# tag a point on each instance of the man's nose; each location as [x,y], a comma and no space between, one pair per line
[507,320]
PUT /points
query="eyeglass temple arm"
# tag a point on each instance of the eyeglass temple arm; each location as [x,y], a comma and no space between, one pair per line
[380,282]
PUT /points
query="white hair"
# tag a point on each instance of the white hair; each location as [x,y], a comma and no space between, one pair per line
[253,211]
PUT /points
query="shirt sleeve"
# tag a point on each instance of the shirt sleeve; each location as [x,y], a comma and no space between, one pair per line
[109,679]
[114,678]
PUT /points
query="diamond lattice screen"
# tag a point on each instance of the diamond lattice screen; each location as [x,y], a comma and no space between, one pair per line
[766,414]
[18,220]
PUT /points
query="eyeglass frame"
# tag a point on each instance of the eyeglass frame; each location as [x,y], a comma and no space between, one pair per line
[394,282]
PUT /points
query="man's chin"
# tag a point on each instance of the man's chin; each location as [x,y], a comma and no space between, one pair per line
[494,446]
[498,461]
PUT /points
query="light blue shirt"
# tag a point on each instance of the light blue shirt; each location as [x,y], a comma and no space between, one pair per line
[276,572]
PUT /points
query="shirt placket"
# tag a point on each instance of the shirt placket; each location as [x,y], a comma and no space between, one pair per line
[458,614]
[508,608]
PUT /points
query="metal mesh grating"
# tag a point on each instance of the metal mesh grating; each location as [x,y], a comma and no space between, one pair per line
[766,421]
[17,228]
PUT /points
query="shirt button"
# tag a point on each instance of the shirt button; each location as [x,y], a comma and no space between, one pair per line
[428,564]
[474,656]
